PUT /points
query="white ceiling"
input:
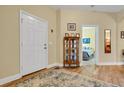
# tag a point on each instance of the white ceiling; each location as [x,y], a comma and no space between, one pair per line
[100,8]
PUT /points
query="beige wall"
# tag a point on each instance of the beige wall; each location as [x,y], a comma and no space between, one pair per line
[58,16]
[120,24]
[103,20]
[9,36]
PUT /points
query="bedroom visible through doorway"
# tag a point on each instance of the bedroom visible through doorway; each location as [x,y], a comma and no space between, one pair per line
[89,44]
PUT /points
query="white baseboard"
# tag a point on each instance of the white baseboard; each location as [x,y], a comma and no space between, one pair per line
[10,78]
[55,64]
[52,65]
[59,64]
[81,64]
[111,63]
[105,63]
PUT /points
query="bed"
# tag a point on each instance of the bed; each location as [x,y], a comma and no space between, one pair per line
[88,53]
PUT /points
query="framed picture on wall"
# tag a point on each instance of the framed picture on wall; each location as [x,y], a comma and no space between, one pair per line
[71,26]
[107,42]
[122,34]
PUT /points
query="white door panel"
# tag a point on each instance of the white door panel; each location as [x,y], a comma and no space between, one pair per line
[34,39]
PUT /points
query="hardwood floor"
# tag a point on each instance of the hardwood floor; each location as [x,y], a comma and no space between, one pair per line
[110,74]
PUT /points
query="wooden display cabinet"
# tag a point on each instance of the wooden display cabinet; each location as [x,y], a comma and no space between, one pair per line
[71,51]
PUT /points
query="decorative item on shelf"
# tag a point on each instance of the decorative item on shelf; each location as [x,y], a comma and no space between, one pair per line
[72,34]
[66,34]
[77,35]
[107,41]
[71,26]
[122,34]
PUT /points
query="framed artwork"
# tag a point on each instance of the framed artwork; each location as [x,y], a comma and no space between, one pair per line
[86,40]
[107,42]
[71,26]
[66,34]
[122,34]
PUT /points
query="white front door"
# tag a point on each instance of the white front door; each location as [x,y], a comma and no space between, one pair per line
[34,43]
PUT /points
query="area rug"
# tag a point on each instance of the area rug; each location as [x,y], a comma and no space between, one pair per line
[62,78]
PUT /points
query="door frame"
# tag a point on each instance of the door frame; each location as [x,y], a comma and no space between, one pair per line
[21,37]
[96,43]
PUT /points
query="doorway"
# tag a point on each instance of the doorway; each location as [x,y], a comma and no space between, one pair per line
[89,44]
[33,43]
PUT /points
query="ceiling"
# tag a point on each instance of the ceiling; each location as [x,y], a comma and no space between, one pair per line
[100,8]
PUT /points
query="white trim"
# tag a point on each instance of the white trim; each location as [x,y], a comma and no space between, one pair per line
[54,64]
[97,42]
[10,78]
[29,14]
[59,64]
[110,63]
[81,64]
[21,48]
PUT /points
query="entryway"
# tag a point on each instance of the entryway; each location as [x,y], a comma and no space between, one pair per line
[89,44]
[33,43]
[89,53]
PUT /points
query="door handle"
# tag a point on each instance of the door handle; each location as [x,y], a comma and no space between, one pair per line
[45,47]
[45,44]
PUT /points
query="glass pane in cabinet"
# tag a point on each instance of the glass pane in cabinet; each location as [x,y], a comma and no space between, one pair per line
[73,57]
[66,58]
[66,51]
